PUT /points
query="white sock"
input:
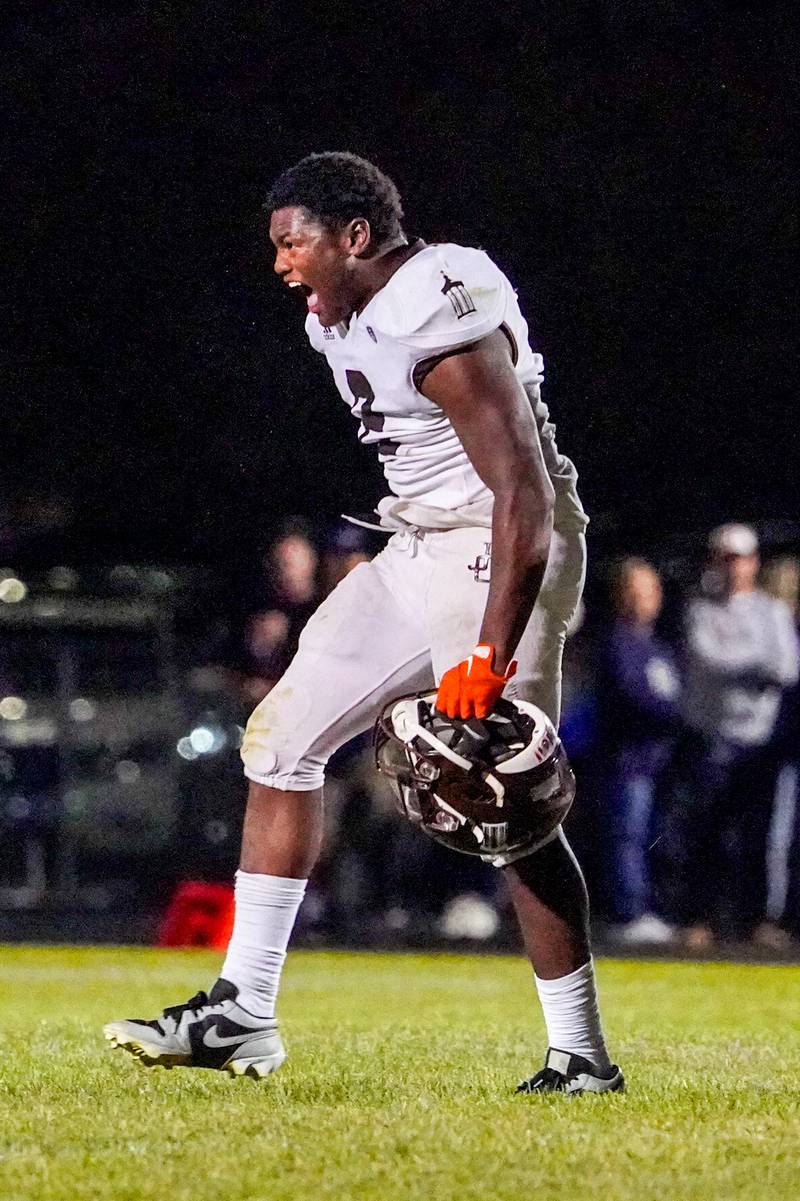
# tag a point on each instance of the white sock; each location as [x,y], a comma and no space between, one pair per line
[572,1017]
[266,908]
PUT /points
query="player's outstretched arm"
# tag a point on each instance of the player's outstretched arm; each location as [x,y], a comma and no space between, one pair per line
[479,391]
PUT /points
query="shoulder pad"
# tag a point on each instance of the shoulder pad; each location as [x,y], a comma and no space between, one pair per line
[445,296]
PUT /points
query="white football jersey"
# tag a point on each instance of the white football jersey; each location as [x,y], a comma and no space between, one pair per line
[444,297]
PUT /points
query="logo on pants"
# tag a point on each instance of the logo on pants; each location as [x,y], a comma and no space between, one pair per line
[482,567]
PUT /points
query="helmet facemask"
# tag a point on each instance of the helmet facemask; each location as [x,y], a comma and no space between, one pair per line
[496,788]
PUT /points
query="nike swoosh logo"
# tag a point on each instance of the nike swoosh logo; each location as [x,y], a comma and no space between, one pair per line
[212,1039]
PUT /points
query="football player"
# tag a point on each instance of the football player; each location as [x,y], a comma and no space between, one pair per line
[473,593]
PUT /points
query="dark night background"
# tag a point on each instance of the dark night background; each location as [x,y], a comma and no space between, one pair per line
[627,164]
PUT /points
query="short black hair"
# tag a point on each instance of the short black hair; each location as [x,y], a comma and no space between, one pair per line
[337,186]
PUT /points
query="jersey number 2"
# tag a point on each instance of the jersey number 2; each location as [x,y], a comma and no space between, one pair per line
[372,422]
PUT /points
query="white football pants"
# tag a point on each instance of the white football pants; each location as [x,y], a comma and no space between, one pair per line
[394,626]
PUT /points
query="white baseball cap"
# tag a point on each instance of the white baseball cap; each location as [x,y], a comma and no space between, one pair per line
[733,539]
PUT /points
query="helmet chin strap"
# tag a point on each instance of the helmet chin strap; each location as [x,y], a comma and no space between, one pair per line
[413,729]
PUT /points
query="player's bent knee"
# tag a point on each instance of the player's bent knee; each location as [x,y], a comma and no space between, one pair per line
[273,754]
[304,778]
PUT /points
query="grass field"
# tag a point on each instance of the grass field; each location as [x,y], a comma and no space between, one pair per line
[399,1085]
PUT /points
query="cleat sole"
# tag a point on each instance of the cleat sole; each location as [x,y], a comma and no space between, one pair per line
[256,1069]
[149,1056]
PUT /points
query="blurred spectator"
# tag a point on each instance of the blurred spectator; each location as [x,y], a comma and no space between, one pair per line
[578,726]
[346,546]
[781,578]
[741,656]
[637,699]
[293,561]
[290,588]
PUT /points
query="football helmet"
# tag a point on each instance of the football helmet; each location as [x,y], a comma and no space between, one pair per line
[497,788]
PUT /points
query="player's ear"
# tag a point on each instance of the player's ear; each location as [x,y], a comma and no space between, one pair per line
[358,235]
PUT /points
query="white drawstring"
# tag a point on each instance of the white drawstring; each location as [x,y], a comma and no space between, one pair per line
[414,534]
[366,525]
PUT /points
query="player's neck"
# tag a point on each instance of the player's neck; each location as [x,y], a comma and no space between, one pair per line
[378,271]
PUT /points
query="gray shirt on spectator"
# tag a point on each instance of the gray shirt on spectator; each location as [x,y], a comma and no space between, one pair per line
[741,652]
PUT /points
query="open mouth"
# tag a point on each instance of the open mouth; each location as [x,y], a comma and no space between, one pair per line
[311,297]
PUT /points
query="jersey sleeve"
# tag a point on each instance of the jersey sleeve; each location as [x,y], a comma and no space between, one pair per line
[459,298]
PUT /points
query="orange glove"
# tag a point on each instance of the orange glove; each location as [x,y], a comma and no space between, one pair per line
[473,687]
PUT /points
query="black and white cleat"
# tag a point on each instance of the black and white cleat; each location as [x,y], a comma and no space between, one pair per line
[565,1073]
[208,1031]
